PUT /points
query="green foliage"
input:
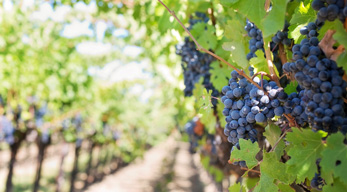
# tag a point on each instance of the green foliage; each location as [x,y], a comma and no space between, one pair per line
[219,75]
[305,148]
[204,35]
[247,153]
[334,158]
[274,21]
[272,134]
[291,87]
[237,188]
[237,46]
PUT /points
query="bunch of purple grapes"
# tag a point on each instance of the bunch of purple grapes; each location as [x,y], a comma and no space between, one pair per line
[195,64]
[6,130]
[330,10]
[256,42]
[321,81]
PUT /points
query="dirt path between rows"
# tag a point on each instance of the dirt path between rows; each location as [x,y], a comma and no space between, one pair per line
[166,167]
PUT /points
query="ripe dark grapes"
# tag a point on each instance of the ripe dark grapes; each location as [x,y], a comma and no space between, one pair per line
[322,87]
[195,64]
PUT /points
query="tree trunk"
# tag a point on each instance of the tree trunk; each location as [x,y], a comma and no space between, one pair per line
[14,150]
[42,148]
[60,178]
[89,165]
[75,169]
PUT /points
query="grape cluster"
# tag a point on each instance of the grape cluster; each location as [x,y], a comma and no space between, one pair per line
[317,181]
[193,138]
[294,106]
[330,9]
[311,31]
[282,36]
[321,82]
[195,64]
[256,42]
[246,105]
[6,130]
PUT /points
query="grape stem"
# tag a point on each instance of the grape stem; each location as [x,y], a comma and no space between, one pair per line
[270,65]
[200,48]
[262,73]
[278,141]
[282,53]
[211,13]
[250,170]
[215,97]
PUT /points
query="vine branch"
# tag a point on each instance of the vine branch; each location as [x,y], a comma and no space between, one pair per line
[200,48]
[282,53]
[270,65]
[278,141]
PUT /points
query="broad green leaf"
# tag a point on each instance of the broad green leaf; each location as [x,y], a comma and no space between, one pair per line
[204,34]
[247,153]
[234,31]
[275,169]
[206,109]
[341,37]
[249,182]
[334,157]
[291,87]
[285,188]
[294,33]
[336,186]
[253,10]
[274,21]
[272,134]
[259,62]
[342,60]
[303,14]
[305,148]
[266,183]
[219,75]
[220,106]
[237,188]
[238,53]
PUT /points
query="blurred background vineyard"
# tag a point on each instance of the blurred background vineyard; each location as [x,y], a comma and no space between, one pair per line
[85,88]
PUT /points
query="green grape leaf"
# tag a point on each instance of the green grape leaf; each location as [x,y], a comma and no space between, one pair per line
[335,187]
[294,33]
[204,34]
[219,75]
[341,35]
[285,188]
[327,25]
[291,88]
[238,54]
[250,183]
[259,63]
[237,187]
[272,134]
[206,110]
[237,46]
[335,152]
[342,60]
[303,14]
[305,148]
[253,10]
[266,183]
[220,105]
[274,21]
[275,169]
[247,153]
